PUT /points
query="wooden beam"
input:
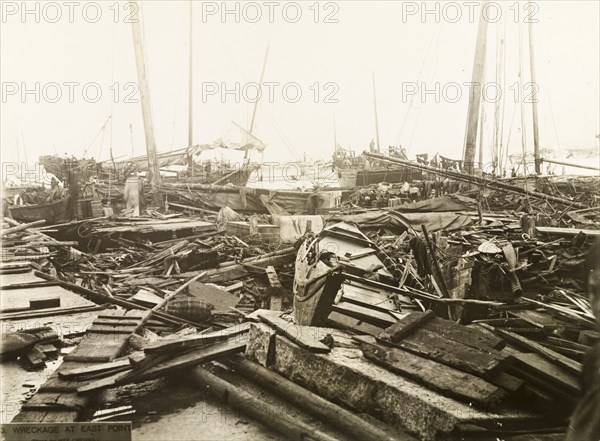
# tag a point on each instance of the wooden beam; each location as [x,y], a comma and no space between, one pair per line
[246,401]
[312,403]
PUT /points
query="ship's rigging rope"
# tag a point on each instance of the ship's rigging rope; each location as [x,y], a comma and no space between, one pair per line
[410,104]
[100,131]
[548,95]
[286,141]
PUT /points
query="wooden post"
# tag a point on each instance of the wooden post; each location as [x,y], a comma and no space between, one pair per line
[436,266]
[276,290]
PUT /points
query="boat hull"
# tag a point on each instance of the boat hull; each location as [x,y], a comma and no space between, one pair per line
[320,287]
[51,212]
[361,178]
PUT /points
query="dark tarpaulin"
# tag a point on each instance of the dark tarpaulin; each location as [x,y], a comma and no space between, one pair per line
[399,222]
[451,202]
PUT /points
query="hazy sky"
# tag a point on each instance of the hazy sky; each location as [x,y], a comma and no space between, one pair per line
[331,60]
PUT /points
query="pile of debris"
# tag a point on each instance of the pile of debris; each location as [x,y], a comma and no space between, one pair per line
[438,317]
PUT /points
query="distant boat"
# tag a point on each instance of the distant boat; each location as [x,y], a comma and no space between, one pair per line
[357,171]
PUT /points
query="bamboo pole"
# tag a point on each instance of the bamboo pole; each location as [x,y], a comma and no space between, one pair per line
[21,227]
[167,318]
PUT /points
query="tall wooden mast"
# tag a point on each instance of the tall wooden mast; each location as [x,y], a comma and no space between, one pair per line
[536,140]
[475,94]
[262,76]
[153,165]
[376,119]
[190,98]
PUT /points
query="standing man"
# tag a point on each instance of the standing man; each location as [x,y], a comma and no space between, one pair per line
[131,194]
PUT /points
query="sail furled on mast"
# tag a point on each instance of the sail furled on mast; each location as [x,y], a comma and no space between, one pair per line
[234,138]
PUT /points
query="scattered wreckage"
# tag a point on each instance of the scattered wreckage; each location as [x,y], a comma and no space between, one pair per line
[434,318]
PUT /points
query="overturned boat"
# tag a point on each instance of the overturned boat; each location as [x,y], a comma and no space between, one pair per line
[343,278]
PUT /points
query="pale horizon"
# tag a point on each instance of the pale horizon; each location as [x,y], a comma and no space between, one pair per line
[369,38]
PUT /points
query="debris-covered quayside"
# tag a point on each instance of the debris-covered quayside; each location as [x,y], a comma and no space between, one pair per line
[386,316]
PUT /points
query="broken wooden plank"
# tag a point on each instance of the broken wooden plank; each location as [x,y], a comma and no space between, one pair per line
[156,365]
[94,369]
[50,302]
[534,368]
[36,284]
[219,298]
[7,231]
[300,335]
[36,358]
[438,377]
[370,296]
[365,314]
[436,266]
[408,324]
[48,350]
[197,340]
[451,353]
[572,366]
[469,336]
[507,381]
[567,231]
[206,353]
[96,296]
[353,324]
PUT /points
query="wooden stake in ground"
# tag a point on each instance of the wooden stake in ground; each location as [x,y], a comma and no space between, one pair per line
[436,265]
[276,290]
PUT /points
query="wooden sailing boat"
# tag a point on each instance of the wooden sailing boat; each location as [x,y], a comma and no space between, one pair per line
[153,161]
[358,171]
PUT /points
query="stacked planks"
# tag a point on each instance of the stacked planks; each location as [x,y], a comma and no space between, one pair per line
[473,363]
